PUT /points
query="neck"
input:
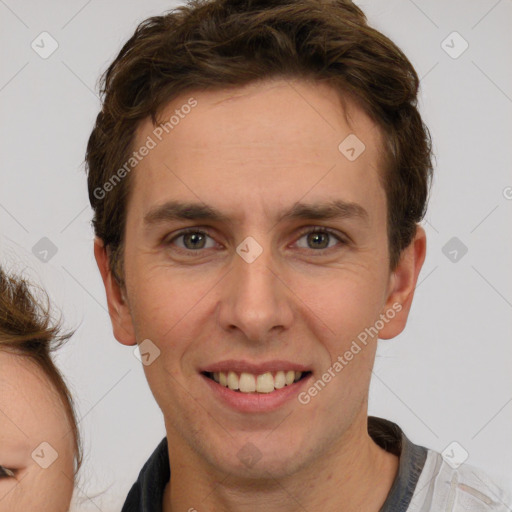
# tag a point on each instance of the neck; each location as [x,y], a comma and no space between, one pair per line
[355,475]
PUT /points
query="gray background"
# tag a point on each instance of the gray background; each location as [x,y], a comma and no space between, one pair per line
[446,378]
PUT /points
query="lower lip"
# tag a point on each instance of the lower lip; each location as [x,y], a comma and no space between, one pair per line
[256,402]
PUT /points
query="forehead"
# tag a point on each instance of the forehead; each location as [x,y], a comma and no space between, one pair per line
[31,408]
[274,138]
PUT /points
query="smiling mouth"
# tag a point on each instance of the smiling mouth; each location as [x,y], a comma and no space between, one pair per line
[250,383]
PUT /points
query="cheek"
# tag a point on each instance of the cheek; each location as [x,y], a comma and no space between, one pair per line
[346,300]
[165,301]
[349,309]
[163,298]
[171,309]
[45,490]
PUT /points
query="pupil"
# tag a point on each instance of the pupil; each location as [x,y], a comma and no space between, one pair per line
[194,237]
[315,237]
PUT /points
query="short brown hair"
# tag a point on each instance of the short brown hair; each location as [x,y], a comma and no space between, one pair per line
[26,330]
[220,44]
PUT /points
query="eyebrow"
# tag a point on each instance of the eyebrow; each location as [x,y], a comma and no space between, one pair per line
[14,449]
[177,210]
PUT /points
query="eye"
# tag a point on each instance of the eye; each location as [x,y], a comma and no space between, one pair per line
[319,237]
[6,472]
[192,239]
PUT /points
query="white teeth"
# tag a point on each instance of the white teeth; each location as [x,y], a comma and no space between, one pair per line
[265,383]
[232,381]
[279,380]
[249,383]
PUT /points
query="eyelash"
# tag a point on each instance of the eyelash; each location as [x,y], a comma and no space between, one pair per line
[316,229]
[6,472]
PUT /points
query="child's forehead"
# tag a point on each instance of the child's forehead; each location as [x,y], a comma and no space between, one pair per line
[27,394]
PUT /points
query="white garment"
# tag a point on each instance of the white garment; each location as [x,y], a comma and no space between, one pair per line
[441,488]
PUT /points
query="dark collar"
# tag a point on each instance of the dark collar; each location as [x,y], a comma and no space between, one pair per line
[389,435]
[147,493]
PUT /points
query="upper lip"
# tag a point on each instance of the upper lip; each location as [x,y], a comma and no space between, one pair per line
[240,366]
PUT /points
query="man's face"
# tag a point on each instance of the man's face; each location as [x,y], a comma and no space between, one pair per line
[207,304]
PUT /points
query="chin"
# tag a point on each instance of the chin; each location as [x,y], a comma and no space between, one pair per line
[258,459]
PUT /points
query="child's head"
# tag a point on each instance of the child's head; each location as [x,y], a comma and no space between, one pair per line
[40,451]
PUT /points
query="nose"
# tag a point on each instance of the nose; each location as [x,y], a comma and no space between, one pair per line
[255,299]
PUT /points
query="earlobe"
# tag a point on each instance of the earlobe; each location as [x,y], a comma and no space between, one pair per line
[118,308]
[402,285]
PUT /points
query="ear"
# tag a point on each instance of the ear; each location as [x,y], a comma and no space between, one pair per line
[118,309]
[402,283]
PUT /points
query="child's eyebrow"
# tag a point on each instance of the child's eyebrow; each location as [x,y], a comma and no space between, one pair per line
[177,210]
[15,450]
